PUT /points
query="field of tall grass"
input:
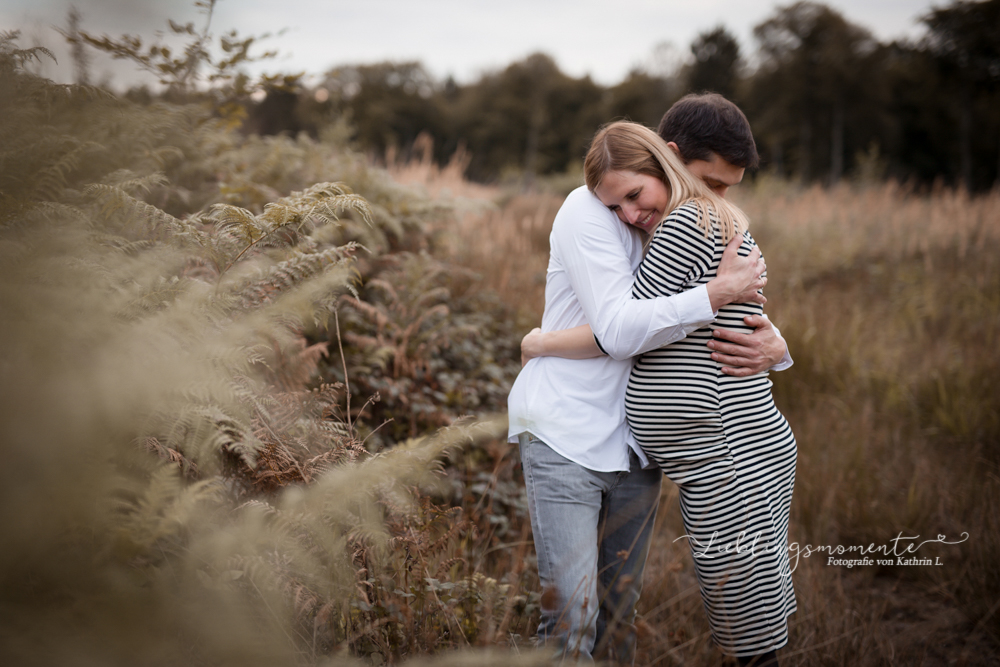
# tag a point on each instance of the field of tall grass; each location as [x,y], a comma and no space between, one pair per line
[251,398]
[889,300]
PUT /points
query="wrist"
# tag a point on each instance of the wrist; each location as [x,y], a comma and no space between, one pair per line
[720,292]
[778,351]
[543,344]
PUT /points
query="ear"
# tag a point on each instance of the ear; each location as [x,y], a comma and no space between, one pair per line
[672,145]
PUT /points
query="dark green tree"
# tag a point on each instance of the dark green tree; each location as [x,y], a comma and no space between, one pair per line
[716,63]
[817,89]
[642,97]
[389,104]
[919,143]
[965,37]
[529,119]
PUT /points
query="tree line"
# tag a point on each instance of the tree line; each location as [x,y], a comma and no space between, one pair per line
[826,99]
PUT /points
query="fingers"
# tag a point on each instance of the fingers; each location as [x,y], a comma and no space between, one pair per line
[734,244]
[728,351]
[531,346]
[753,257]
[528,335]
[757,262]
[729,360]
[740,339]
[758,322]
[738,372]
[742,351]
[741,366]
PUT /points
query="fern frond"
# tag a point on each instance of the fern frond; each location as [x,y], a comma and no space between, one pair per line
[128,181]
[51,179]
[21,57]
[166,505]
[329,210]
[291,272]
[256,355]
[385,286]
[434,295]
[325,190]
[204,431]
[323,202]
[163,154]
[154,299]
[278,214]
[373,312]
[237,223]
[125,246]
[56,211]
[68,93]
[165,453]
[116,200]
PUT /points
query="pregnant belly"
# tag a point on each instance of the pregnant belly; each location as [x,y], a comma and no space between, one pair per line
[672,403]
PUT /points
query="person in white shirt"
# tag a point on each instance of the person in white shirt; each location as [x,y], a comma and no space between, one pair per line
[592,494]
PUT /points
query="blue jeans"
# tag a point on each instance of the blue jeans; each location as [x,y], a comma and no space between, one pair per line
[592,532]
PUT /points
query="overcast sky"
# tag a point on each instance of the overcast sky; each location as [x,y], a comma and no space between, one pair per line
[461,38]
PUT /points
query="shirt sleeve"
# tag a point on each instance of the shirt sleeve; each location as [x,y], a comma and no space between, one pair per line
[589,241]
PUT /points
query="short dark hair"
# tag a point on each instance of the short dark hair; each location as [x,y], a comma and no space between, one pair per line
[706,123]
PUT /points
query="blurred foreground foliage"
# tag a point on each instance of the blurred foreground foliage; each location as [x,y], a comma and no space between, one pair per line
[206,338]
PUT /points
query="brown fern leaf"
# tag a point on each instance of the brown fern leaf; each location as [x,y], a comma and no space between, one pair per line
[116,201]
[237,223]
[290,273]
[374,312]
[165,453]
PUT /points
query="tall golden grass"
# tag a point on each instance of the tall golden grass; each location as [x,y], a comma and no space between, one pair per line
[502,234]
[889,299]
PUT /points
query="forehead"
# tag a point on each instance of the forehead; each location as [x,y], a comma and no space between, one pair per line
[619,183]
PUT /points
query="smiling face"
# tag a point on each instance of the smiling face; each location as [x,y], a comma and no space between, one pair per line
[637,199]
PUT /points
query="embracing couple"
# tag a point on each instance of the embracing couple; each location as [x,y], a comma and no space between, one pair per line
[652,360]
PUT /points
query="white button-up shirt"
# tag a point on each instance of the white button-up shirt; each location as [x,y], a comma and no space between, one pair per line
[577,406]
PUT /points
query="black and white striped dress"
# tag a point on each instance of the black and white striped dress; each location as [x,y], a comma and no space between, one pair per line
[723,442]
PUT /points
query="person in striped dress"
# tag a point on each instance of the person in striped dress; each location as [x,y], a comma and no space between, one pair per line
[717,435]
[723,442]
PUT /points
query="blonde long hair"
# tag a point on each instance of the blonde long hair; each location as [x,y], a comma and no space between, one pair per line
[627,146]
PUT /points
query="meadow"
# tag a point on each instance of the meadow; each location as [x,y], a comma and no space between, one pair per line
[252,389]
[889,299]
